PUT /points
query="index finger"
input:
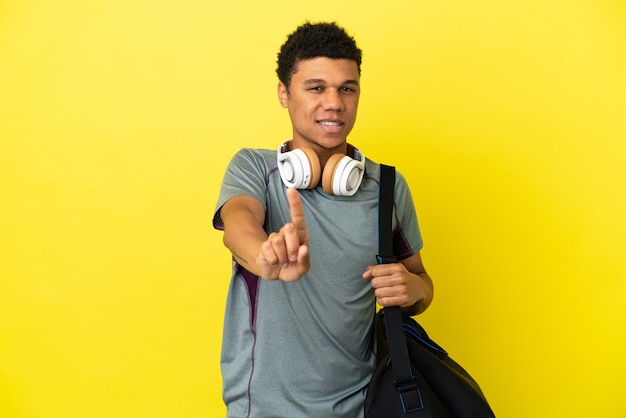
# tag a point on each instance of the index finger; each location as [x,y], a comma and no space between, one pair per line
[296,210]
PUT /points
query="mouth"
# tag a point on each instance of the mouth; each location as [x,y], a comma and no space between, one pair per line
[331,126]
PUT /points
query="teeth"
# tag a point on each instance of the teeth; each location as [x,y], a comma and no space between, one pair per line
[329,123]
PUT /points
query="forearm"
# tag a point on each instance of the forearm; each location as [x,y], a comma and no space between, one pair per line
[243,219]
[244,241]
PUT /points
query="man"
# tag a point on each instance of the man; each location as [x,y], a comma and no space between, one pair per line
[298,338]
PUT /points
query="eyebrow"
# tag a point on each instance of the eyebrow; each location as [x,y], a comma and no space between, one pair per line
[321,81]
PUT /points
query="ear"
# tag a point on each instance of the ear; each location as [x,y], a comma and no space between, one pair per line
[283,94]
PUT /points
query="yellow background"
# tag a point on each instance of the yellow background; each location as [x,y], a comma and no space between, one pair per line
[117,119]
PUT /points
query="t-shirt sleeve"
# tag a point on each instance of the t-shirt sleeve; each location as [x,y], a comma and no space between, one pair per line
[245,176]
[407,238]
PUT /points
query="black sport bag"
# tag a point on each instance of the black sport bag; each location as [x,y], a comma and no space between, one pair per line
[420,380]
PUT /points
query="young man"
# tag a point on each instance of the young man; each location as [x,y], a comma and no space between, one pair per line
[302,225]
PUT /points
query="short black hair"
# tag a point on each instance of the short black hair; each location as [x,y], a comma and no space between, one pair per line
[312,40]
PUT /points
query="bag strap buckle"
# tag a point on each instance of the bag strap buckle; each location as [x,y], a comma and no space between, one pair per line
[410,396]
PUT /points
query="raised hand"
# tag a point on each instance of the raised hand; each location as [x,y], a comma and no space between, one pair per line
[285,254]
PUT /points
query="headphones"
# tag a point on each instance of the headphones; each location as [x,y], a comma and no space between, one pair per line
[300,168]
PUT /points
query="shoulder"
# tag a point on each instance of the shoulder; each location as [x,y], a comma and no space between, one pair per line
[254,154]
[372,171]
[251,162]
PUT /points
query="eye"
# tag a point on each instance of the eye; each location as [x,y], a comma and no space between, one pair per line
[316,89]
[348,90]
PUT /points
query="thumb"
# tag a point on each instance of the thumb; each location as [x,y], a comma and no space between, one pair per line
[367,274]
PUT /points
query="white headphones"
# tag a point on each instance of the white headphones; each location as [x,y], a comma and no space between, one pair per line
[300,168]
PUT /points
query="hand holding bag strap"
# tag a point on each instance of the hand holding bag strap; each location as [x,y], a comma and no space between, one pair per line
[405,383]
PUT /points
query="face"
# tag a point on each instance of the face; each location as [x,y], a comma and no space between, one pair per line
[322,101]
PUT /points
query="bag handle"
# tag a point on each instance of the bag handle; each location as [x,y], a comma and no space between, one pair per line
[406,385]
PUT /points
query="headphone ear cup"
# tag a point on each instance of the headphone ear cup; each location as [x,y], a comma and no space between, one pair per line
[299,168]
[315,169]
[329,172]
[342,175]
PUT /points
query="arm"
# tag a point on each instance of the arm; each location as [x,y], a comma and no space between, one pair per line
[243,218]
[405,284]
[281,255]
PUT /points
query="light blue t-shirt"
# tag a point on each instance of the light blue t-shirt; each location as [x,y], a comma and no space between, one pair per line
[305,349]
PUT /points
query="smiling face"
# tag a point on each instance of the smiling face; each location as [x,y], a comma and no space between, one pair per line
[322,101]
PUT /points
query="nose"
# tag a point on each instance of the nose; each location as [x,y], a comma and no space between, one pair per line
[333,100]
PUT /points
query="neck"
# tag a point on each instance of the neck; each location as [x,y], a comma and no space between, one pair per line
[324,154]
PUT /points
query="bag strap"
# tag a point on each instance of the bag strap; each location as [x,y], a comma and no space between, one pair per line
[400,364]
[385,214]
